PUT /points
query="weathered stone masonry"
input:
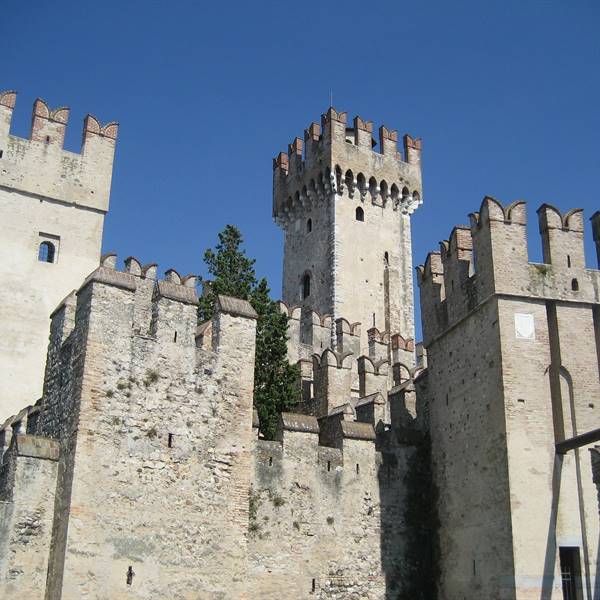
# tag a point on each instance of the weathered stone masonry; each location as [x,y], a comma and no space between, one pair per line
[512,370]
[157,454]
[359,266]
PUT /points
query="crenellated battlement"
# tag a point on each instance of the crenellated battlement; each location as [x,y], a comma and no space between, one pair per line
[336,159]
[172,286]
[40,166]
[335,369]
[337,431]
[490,257]
[156,315]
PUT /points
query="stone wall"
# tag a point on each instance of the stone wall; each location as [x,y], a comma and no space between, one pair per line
[158,484]
[155,431]
[337,365]
[469,459]
[27,487]
[328,521]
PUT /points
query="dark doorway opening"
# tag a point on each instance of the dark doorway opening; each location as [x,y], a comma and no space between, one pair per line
[570,572]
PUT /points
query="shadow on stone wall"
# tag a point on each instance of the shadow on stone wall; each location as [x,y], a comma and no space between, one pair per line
[409,529]
[550,556]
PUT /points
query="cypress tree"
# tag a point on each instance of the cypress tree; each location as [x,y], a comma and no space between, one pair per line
[276,382]
[232,272]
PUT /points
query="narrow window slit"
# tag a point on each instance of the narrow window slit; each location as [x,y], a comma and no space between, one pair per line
[170,440]
[306,286]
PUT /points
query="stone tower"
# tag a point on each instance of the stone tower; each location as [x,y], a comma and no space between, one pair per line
[513,371]
[345,209]
[52,208]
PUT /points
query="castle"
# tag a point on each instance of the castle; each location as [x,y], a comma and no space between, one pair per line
[459,468]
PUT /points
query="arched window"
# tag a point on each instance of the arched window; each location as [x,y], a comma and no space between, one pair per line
[386,259]
[360,213]
[46,252]
[309,226]
[305,286]
[574,285]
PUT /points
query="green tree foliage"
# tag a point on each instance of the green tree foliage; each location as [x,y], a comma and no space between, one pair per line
[276,382]
[231,270]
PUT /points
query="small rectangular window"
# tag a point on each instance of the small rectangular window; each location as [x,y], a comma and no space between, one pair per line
[48,246]
[46,252]
[1,153]
[170,440]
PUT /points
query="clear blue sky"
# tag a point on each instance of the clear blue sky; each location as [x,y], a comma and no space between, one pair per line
[506,96]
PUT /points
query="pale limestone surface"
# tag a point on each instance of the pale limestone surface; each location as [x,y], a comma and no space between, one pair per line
[329,515]
[46,194]
[359,270]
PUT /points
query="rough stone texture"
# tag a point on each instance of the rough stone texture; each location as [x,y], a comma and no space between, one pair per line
[27,486]
[332,516]
[512,369]
[158,430]
[46,194]
[337,365]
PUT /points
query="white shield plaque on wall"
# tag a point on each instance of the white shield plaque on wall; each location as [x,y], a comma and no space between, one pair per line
[524,326]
